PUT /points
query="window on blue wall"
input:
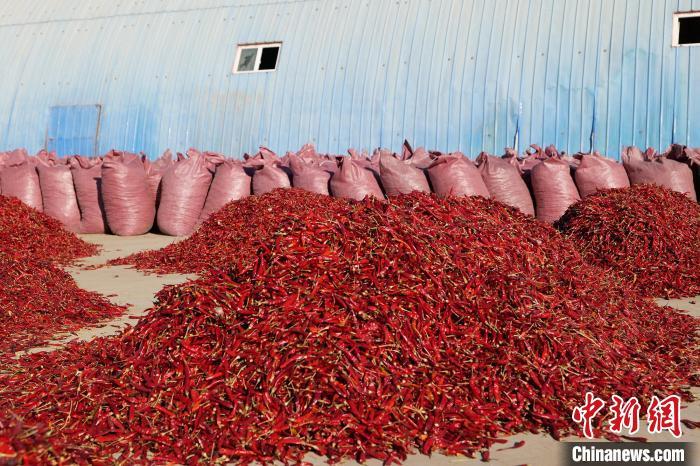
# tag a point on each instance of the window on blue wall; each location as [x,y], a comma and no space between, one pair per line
[251,58]
[686,29]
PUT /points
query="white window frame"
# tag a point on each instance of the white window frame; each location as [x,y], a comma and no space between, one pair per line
[677,28]
[259,46]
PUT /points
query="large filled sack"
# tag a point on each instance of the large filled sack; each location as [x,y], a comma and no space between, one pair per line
[154,173]
[184,189]
[87,180]
[401,176]
[553,188]
[364,160]
[329,163]
[650,168]
[374,161]
[19,178]
[533,156]
[269,174]
[307,153]
[307,174]
[504,182]
[230,183]
[57,191]
[689,156]
[128,201]
[419,158]
[456,175]
[355,181]
[212,159]
[551,151]
[595,172]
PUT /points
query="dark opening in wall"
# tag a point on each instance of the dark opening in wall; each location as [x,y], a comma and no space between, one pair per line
[689,30]
[268,59]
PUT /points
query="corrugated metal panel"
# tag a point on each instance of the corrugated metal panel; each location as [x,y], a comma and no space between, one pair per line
[447,74]
[73,129]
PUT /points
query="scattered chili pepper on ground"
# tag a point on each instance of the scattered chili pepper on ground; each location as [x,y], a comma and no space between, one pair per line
[39,301]
[26,232]
[367,330]
[648,234]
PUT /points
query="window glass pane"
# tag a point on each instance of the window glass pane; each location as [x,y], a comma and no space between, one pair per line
[689,30]
[247,61]
[268,58]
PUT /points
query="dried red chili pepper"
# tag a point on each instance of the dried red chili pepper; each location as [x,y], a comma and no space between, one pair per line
[25,231]
[366,330]
[38,302]
[647,234]
[232,234]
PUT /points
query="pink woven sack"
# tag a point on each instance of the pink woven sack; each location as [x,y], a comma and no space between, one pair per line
[596,172]
[230,183]
[269,174]
[154,173]
[531,159]
[307,153]
[184,189]
[57,191]
[330,163]
[455,175]
[363,160]
[505,183]
[553,188]
[653,169]
[353,181]
[20,179]
[689,156]
[3,159]
[308,175]
[419,158]
[87,180]
[128,200]
[400,176]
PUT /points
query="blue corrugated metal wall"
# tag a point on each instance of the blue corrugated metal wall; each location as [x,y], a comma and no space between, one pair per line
[447,74]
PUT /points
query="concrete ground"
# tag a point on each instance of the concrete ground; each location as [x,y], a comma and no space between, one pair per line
[130,287]
[121,285]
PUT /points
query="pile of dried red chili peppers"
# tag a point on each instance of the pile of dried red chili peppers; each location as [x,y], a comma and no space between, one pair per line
[26,232]
[365,330]
[233,234]
[39,301]
[648,234]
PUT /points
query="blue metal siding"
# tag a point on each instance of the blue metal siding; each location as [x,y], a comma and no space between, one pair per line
[447,74]
[73,129]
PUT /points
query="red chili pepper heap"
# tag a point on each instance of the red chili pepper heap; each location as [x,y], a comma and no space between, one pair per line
[648,234]
[233,234]
[25,231]
[362,330]
[39,301]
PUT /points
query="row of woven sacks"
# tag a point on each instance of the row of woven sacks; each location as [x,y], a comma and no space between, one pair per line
[127,194]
